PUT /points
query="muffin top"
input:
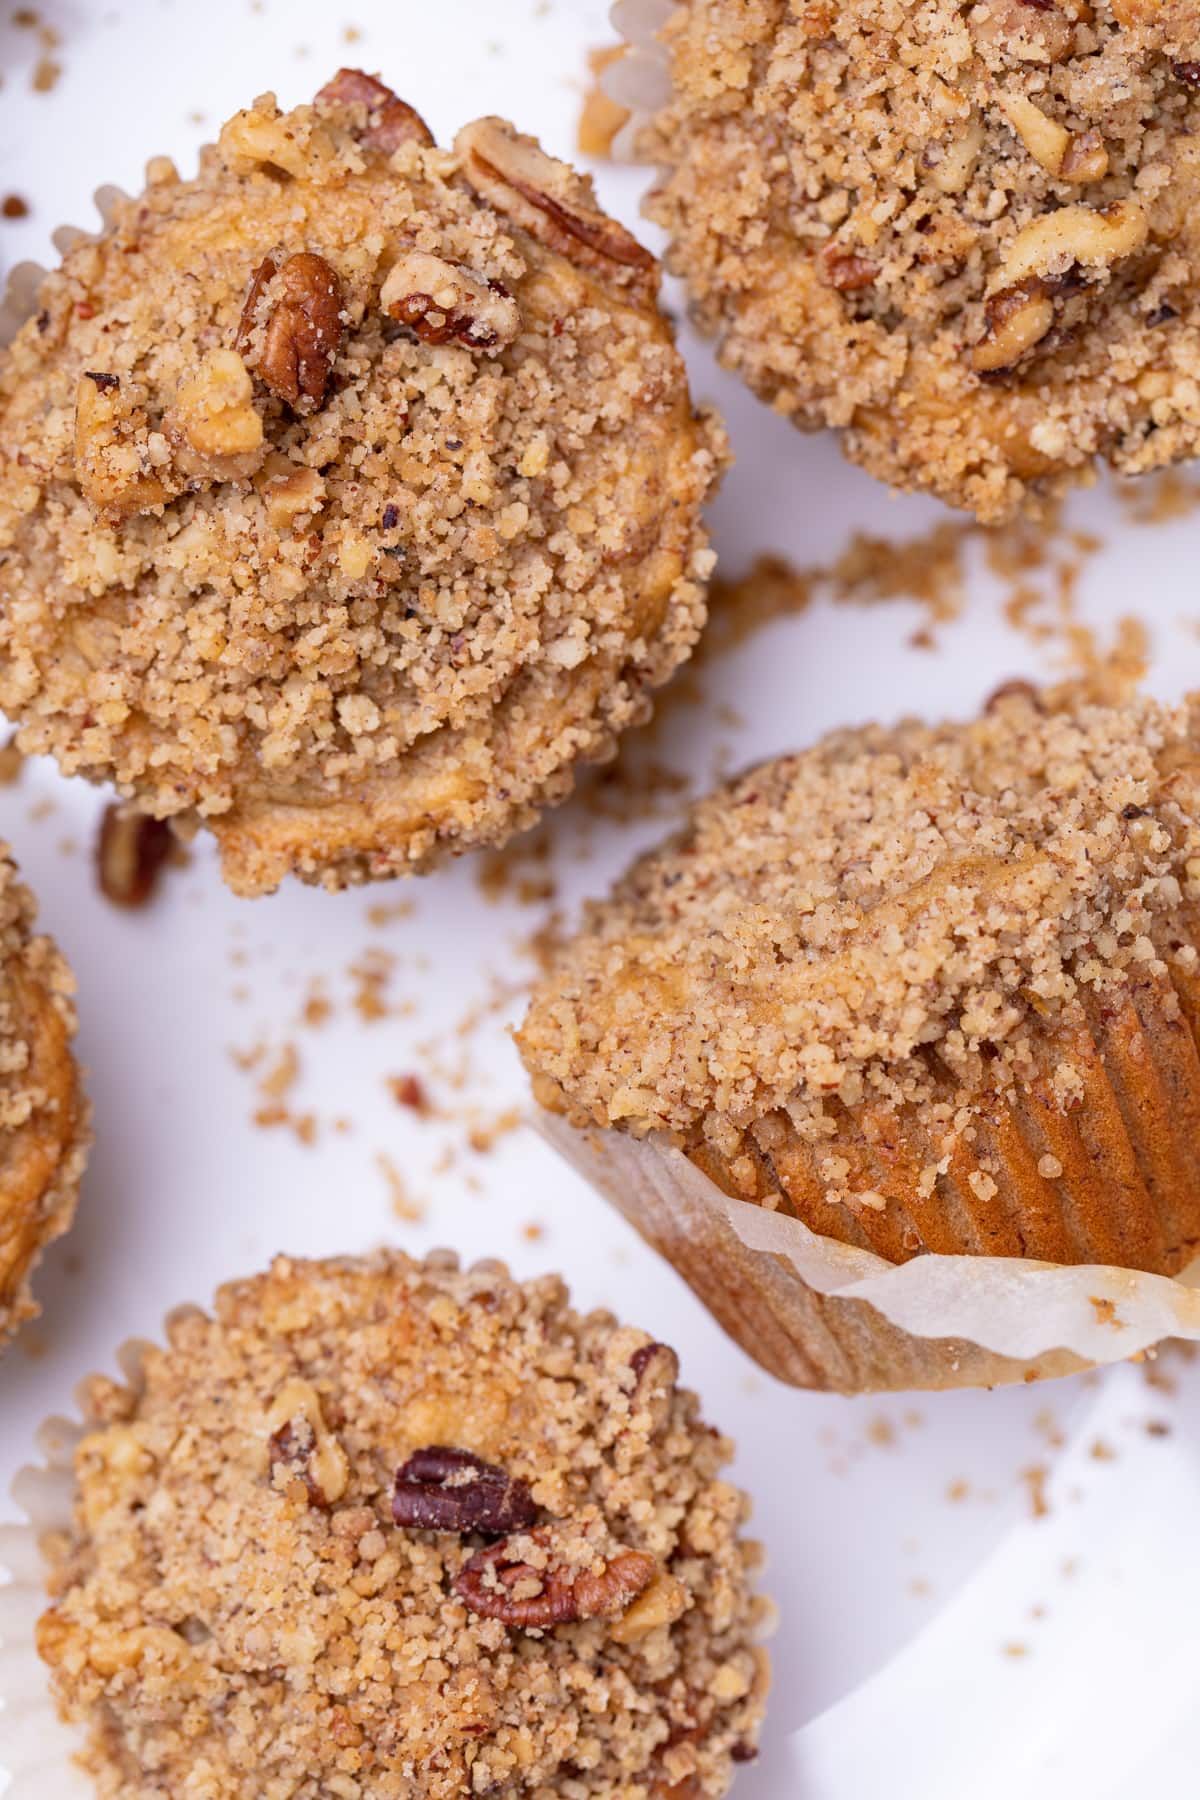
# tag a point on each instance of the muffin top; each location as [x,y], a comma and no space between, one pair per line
[43,1114]
[386,1528]
[965,235]
[829,919]
[349,492]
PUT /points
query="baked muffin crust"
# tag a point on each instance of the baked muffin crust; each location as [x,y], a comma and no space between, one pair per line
[890,981]
[349,493]
[43,1114]
[962,235]
[386,1528]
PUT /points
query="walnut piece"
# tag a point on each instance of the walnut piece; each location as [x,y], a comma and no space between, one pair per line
[301,1445]
[130,852]
[390,120]
[1079,159]
[302,330]
[444,302]
[1015,320]
[498,1583]
[443,1489]
[553,204]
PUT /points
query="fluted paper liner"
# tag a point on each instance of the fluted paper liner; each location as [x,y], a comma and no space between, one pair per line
[641,79]
[821,1314]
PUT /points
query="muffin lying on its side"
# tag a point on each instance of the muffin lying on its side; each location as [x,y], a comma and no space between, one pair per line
[929,989]
[349,493]
[393,1529]
[43,1114]
[964,236]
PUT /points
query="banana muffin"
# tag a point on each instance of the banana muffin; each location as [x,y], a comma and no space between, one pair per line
[964,236]
[928,988]
[388,1528]
[349,493]
[43,1113]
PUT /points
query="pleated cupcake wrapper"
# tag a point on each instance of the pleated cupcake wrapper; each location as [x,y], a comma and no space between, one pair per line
[822,1314]
[37,1750]
[18,299]
[641,79]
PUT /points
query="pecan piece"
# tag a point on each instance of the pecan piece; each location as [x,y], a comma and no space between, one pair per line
[301,1445]
[441,1489]
[1187,72]
[554,205]
[444,302]
[655,1372]
[498,1584]
[130,852]
[390,120]
[1015,320]
[302,331]
[844,269]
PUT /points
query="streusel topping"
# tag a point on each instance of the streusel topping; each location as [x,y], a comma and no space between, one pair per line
[384,1528]
[43,1115]
[349,492]
[964,235]
[831,918]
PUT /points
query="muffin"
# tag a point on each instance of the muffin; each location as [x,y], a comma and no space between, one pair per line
[43,1113]
[349,493]
[388,1528]
[931,990]
[964,237]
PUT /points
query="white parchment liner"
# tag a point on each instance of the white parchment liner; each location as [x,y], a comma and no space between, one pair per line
[819,1313]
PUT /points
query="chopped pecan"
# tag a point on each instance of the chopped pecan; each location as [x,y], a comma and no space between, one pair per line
[655,1372]
[444,302]
[1187,72]
[1016,319]
[215,413]
[498,1583]
[441,1489]
[390,120]
[302,330]
[301,1445]
[130,852]
[113,461]
[845,269]
[554,205]
[1030,30]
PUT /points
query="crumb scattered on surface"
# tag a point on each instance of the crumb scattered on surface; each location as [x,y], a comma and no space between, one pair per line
[601,118]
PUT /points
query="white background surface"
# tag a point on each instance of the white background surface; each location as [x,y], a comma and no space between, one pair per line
[876,1513]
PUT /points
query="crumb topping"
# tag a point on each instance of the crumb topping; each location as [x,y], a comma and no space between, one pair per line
[43,1115]
[849,923]
[349,493]
[386,1528]
[963,235]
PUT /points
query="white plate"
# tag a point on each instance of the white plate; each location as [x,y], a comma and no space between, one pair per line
[856,1499]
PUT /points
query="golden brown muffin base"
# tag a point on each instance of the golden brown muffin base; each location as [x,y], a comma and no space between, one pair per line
[43,1114]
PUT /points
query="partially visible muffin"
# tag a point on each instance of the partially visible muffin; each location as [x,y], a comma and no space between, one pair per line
[349,493]
[964,236]
[388,1528]
[43,1113]
[927,988]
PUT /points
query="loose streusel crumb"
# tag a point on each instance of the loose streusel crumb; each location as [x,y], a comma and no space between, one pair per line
[349,493]
[835,979]
[317,1548]
[964,236]
[43,1114]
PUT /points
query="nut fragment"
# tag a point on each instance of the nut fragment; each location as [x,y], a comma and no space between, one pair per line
[554,204]
[130,852]
[442,1489]
[442,301]
[302,1446]
[1090,236]
[664,1601]
[302,331]
[1079,159]
[390,120]
[1015,320]
[845,269]
[655,1372]
[216,414]
[498,1584]
[1037,31]
[112,449]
